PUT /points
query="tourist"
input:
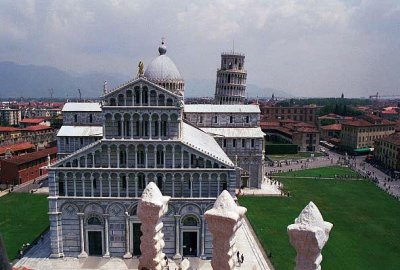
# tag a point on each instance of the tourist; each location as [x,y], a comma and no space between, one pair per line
[242,258]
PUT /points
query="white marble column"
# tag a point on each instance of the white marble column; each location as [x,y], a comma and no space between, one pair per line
[109,156]
[136,186]
[106,230]
[83,185]
[151,207]
[91,186]
[308,235]
[74,185]
[109,185]
[224,219]
[127,254]
[173,156]
[83,253]
[203,238]
[177,238]
[101,185]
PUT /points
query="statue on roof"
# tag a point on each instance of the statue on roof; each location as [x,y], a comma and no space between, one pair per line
[141,69]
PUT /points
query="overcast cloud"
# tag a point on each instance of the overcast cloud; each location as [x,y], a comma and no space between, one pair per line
[312,48]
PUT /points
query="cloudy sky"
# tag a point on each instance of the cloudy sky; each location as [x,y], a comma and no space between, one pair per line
[310,47]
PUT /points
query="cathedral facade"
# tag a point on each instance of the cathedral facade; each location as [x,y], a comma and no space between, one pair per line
[94,191]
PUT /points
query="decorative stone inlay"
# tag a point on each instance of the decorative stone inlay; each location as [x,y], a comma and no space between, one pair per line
[70,210]
[151,207]
[308,235]
[224,219]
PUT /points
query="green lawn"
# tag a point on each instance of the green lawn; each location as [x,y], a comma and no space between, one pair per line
[23,217]
[366,231]
[323,172]
[300,155]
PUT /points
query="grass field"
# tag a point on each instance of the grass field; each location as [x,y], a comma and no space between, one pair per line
[366,231]
[328,172]
[23,217]
[300,155]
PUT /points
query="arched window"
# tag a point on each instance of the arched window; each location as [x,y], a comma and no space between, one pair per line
[190,221]
[159,182]
[94,221]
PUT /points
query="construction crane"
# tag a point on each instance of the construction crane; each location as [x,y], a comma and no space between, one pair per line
[377,96]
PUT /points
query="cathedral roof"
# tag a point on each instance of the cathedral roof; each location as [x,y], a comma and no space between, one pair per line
[162,68]
[216,108]
[80,131]
[204,143]
[236,132]
[81,107]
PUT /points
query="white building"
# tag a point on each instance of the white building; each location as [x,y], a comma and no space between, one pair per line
[94,191]
[237,130]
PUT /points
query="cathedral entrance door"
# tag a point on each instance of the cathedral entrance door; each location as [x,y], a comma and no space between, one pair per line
[136,234]
[95,243]
[189,247]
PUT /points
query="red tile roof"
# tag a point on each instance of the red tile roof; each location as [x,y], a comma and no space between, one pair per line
[393,138]
[18,160]
[8,129]
[32,120]
[16,147]
[36,128]
[332,127]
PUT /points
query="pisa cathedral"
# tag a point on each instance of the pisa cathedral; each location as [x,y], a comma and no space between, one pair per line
[109,152]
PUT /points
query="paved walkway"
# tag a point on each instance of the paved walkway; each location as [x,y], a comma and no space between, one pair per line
[38,257]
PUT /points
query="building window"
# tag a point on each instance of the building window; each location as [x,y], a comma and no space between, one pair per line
[90,118]
[140,157]
[243,143]
[94,183]
[159,182]
[215,119]
[160,157]
[247,119]
[61,190]
[76,118]
[123,180]
[234,142]
[252,142]
[231,119]
[201,119]
[141,181]
[224,142]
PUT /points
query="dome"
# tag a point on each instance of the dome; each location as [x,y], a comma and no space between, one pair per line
[162,71]
[162,68]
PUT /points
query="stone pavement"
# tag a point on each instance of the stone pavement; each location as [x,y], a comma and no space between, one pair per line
[38,257]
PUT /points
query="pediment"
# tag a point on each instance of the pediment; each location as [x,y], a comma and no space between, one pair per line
[141,82]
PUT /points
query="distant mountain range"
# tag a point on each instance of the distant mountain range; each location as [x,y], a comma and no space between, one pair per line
[30,81]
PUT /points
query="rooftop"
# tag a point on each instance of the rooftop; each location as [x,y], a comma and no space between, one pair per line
[36,128]
[32,120]
[236,132]
[80,131]
[337,127]
[203,142]
[216,108]
[18,160]
[82,107]
[16,147]
[393,139]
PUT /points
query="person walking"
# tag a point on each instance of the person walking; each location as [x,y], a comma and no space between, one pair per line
[242,258]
